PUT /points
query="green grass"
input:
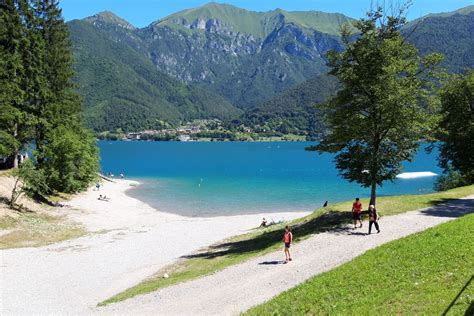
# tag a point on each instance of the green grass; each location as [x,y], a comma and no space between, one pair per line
[261,241]
[422,274]
[33,230]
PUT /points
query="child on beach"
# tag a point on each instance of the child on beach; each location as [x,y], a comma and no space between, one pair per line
[373,217]
[287,239]
[356,212]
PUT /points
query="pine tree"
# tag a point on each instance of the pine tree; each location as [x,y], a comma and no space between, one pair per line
[64,149]
[15,131]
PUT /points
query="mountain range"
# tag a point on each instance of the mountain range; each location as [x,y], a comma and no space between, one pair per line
[220,61]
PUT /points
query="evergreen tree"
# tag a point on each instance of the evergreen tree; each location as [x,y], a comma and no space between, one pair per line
[37,101]
[11,95]
[60,137]
[380,114]
[457,127]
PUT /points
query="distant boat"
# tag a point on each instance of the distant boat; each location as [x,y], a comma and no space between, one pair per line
[414,175]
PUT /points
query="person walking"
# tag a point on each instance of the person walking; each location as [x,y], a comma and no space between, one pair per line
[373,218]
[287,239]
[356,212]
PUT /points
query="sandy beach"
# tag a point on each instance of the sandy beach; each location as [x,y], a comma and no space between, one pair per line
[128,242]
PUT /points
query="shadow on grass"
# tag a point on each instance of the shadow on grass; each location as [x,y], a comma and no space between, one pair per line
[470,309]
[450,208]
[324,222]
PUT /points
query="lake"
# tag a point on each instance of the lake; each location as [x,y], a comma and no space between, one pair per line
[222,178]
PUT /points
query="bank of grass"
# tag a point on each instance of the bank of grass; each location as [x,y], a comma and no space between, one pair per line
[261,241]
[428,273]
[32,230]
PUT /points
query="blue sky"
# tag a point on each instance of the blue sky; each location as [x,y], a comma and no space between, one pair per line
[142,12]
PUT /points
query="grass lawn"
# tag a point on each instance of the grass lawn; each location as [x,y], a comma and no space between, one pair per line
[261,241]
[428,273]
[33,230]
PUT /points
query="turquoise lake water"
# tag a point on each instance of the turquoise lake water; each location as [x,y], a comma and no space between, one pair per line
[220,178]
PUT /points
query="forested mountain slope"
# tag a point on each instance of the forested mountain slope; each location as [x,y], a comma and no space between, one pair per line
[219,61]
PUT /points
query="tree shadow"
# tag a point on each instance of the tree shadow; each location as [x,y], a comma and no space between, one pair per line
[347,230]
[450,208]
[470,309]
[324,222]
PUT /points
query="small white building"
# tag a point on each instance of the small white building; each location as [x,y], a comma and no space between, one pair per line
[184,138]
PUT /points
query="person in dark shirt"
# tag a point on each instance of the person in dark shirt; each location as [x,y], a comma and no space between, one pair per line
[373,218]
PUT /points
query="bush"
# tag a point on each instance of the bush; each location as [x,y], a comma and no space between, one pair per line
[29,181]
[450,180]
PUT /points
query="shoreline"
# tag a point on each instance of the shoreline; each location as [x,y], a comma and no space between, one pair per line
[117,191]
[137,183]
[127,242]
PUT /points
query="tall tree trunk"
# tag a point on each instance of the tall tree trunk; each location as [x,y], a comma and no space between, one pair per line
[15,154]
[373,193]
[15,159]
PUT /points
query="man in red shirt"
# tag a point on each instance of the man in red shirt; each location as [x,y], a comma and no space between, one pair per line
[356,212]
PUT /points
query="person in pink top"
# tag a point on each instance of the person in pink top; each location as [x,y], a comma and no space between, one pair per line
[287,239]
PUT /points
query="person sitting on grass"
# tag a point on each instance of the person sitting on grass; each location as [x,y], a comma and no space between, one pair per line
[373,218]
[287,239]
[264,223]
[356,212]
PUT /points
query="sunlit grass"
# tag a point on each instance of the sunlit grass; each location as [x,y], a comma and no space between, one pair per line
[428,273]
[261,241]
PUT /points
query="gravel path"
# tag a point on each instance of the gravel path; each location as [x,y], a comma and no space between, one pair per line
[131,242]
[240,287]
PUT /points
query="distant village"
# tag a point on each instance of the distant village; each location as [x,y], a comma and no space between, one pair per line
[202,130]
[197,129]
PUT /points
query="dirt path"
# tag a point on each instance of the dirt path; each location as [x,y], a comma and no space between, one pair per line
[240,287]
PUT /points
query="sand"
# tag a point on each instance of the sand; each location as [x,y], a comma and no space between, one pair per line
[129,241]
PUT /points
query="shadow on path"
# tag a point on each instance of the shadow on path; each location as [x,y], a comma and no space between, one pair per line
[450,208]
[325,222]
[272,262]
[347,230]
[329,221]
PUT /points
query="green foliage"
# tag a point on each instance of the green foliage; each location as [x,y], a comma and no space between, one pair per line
[449,34]
[123,89]
[14,128]
[295,110]
[37,101]
[72,159]
[457,126]
[29,180]
[251,60]
[382,110]
[421,274]
[449,180]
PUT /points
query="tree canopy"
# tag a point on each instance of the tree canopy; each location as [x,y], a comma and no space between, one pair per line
[38,105]
[381,112]
[457,126]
